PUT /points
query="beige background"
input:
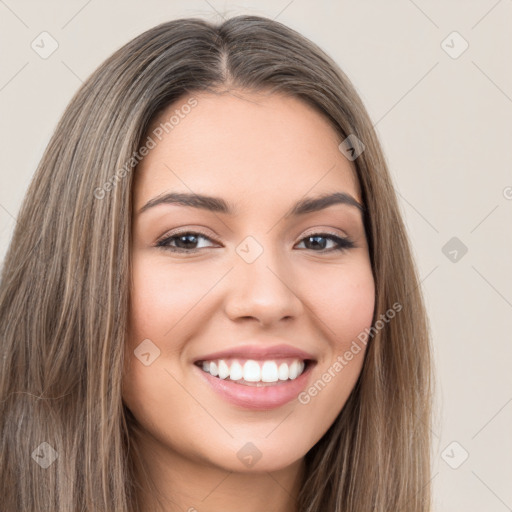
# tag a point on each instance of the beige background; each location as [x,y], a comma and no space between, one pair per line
[446,127]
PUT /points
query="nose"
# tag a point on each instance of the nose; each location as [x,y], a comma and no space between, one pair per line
[263,290]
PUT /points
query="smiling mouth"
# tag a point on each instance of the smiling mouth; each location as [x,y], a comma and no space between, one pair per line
[251,372]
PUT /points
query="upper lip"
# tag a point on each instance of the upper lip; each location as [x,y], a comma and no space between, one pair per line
[258,352]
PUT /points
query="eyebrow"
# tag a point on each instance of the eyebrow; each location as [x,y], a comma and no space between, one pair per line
[217,204]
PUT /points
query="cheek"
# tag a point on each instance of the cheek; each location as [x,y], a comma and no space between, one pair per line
[343,300]
[344,310]
[159,299]
[161,296]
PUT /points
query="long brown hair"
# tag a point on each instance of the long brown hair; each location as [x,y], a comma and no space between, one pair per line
[65,434]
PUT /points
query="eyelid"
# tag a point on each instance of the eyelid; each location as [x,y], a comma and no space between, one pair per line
[184,231]
[199,231]
[325,231]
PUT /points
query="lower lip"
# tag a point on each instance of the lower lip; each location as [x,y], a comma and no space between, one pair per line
[258,398]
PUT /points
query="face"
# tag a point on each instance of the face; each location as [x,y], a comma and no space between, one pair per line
[240,304]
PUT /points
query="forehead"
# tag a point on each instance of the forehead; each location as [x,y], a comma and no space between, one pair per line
[243,145]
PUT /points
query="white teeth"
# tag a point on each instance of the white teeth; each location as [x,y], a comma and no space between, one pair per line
[294,370]
[236,372]
[269,372]
[283,371]
[254,371]
[223,369]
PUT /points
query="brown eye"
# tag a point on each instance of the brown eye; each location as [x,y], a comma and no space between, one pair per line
[319,240]
[186,241]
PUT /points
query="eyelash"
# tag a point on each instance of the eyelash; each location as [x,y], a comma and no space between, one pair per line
[343,243]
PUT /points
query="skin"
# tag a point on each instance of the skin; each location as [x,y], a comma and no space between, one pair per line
[262,152]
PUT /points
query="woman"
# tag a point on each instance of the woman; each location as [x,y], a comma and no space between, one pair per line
[209,301]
